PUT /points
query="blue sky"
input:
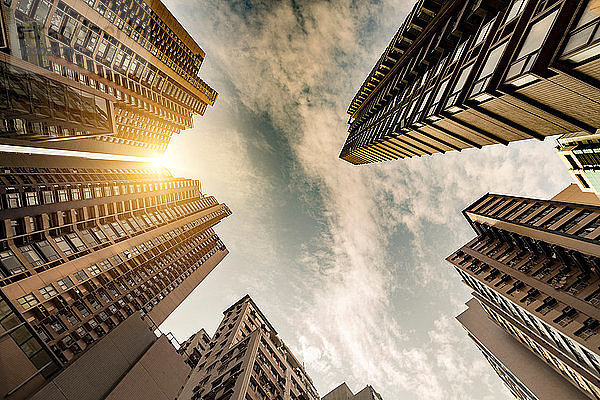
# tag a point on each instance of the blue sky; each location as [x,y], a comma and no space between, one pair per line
[347,262]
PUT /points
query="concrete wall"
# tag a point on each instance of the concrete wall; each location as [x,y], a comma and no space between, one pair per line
[341,392]
[96,373]
[158,375]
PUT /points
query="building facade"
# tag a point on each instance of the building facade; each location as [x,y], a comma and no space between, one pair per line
[97,75]
[467,74]
[246,360]
[534,268]
[343,392]
[193,348]
[84,245]
[581,154]
[525,375]
[129,363]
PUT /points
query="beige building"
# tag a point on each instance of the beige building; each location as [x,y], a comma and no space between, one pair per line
[84,246]
[343,392]
[97,75]
[533,268]
[462,74]
[246,360]
[193,348]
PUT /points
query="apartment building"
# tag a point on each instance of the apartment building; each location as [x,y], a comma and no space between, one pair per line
[193,348]
[112,76]
[533,268]
[246,360]
[467,74]
[86,244]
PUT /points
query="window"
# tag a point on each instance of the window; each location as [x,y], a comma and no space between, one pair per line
[75,194]
[57,326]
[105,264]
[48,291]
[76,241]
[48,196]
[532,44]
[47,250]
[65,283]
[99,234]
[488,68]
[583,34]
[83,310]
[28,301]
[80,276]
[31,198]
[11,263]
[118,229]
[110,231]
[87,192]
[89,237]
[515,9]
[13,200]
[31,255]
[63,245]
[485,30]
[94,270]
[452,99]
[62,195]
[459,52]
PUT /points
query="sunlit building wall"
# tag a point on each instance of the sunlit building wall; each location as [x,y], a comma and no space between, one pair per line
[85,245]
[97,75]
[468,74]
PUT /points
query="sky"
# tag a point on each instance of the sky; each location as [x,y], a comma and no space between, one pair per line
[347,262]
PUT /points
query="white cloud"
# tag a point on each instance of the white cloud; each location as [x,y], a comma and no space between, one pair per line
[301,66]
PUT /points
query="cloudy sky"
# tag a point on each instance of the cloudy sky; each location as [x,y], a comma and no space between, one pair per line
[346,261]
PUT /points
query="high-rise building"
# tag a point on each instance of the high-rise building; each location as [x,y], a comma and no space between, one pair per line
[193,348]
[534,267]
[581,154]
[343,392]
[468,73]
[97,75]
[85,244]
[248,361]
[525,375]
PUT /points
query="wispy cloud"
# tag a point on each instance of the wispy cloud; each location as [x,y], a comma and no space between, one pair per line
[372,301]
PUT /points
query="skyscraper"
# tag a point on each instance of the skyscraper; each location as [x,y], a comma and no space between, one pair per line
[84,245]
[97,75]
[534,268]
[526,376]
[467,74]
[247,360]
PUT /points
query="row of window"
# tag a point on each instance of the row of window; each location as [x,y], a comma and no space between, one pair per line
[42,252]
[572,349]
[147,282]
[541,352]
[50,195]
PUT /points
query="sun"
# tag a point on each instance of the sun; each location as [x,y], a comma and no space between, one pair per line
[159,162]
